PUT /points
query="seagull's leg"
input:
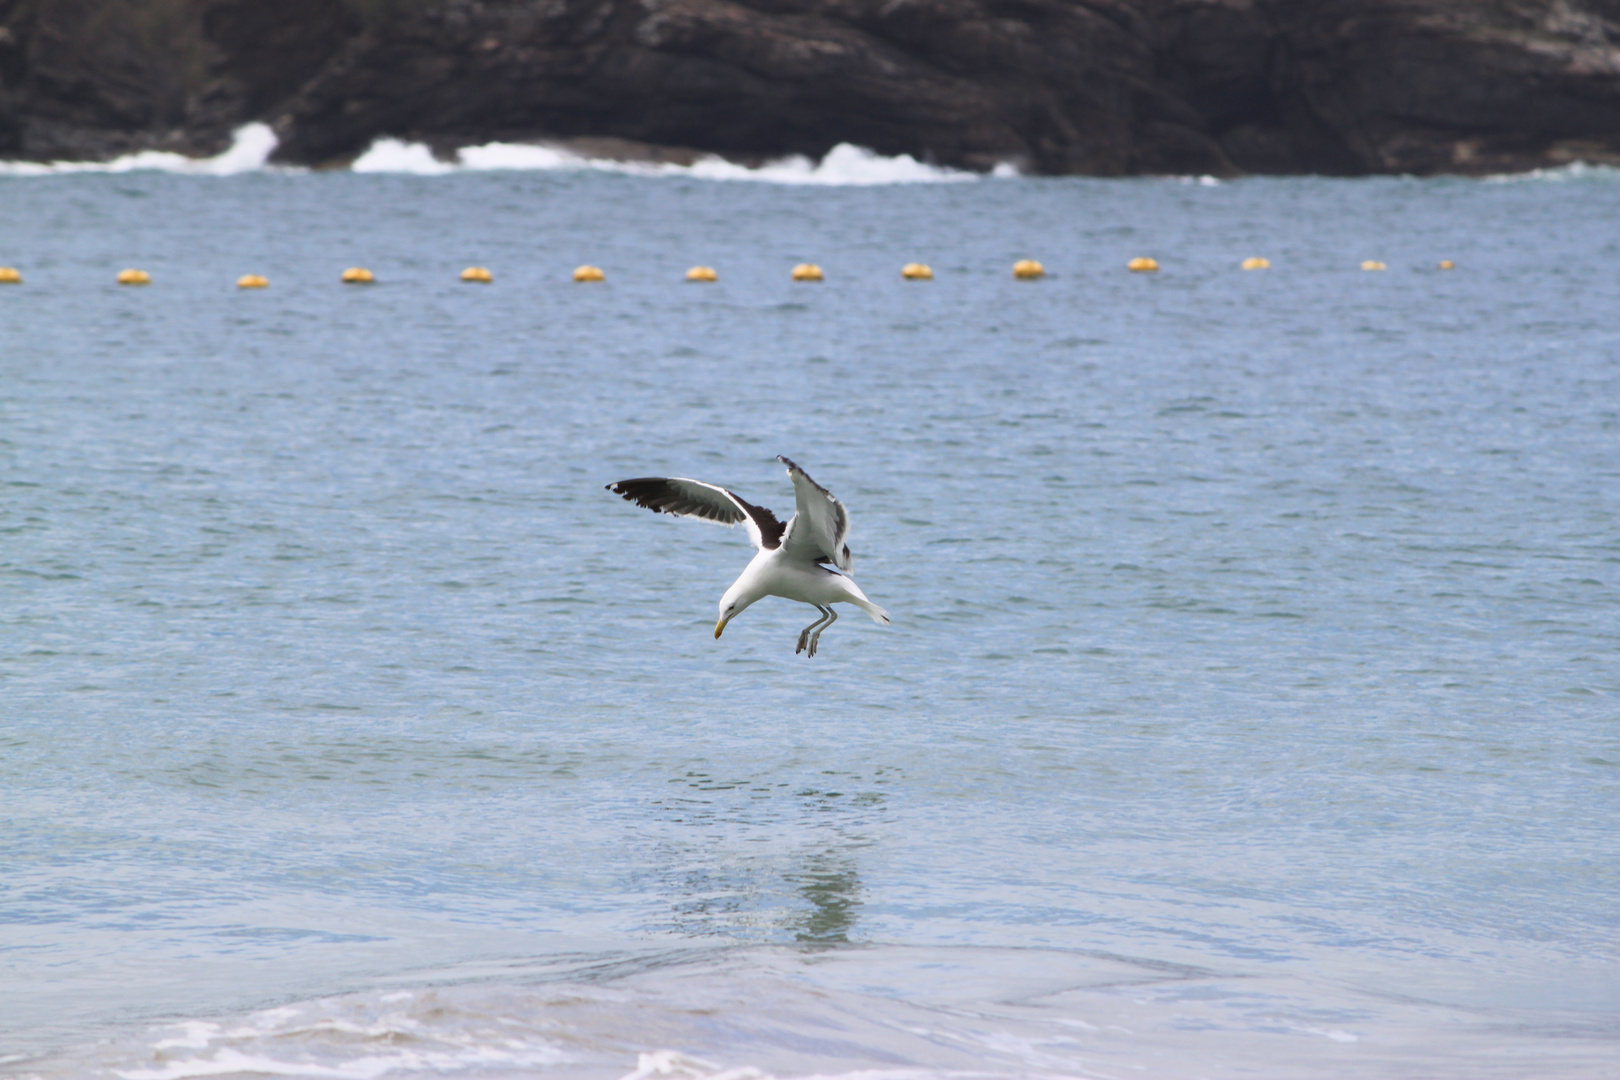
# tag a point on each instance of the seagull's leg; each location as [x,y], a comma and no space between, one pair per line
[807,635]
[832,617]
[804,635]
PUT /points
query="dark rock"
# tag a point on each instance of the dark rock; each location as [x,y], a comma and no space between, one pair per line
[267,51]
[1423,86]
[1101,87]
[88,78]
[1060,88]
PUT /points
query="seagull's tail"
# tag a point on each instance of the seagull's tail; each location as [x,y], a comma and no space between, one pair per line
[878,614]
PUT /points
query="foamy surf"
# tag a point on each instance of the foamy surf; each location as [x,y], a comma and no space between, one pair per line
[400,1033]
[686,1067]
[876,1012]
[1574,172]
[250,150]
[843,165]
[252,145]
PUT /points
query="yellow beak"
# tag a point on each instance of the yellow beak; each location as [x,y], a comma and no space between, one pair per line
[718,627]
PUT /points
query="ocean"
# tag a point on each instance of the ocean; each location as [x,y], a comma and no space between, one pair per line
[1251,706]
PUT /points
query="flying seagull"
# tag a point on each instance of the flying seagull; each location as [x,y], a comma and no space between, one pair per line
[792,559]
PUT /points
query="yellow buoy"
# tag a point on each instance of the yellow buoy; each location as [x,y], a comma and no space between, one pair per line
[1447,264]
[134,277]
[1373,264]
[1142,265]
[252,281]
[1028,270]
[1256,263]
[917,272]
[10,275]
[589,273]
[478,274]
[702,273]
[807,272]
[358,275]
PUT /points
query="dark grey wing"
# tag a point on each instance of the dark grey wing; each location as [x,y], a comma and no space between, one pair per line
[693,498]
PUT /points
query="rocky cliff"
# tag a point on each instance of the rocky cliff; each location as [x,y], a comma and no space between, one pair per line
[1099,87]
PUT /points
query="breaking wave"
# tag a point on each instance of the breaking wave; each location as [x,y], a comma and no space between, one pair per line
[844,165]
[1574,172]
[252,145]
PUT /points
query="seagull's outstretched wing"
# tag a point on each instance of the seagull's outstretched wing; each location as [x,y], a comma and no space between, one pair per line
[820,528]
[693,498]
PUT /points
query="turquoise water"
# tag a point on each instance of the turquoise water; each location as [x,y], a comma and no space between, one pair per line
[1250,707]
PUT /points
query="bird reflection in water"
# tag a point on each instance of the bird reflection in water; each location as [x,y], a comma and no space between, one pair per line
[833,889]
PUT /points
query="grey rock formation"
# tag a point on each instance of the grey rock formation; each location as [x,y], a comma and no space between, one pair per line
[1099,87]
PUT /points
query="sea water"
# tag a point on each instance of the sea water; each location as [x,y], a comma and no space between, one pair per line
[1251,708]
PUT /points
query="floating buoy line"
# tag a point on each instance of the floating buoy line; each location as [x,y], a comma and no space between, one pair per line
[1023,270]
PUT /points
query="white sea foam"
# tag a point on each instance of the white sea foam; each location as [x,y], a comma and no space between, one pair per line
[873,1013]
[342,1039]
[844,165]
[1575,171]
[685,1067]
[394,156]
[252,145]
[250,150]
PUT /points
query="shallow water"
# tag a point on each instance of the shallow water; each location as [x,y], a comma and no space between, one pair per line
[1250,707]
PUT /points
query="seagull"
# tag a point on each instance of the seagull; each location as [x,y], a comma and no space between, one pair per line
[791,560]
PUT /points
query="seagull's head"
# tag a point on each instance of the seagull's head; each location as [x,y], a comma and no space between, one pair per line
[731,605]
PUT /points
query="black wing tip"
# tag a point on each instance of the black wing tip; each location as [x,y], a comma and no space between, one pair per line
[784,459]
[641,490]
[663,495]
